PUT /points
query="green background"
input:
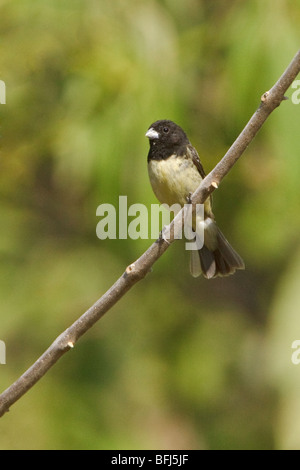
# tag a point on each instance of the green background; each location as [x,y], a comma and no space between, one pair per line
[178,363]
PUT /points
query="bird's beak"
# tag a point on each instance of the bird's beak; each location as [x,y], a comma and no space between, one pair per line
[152,134]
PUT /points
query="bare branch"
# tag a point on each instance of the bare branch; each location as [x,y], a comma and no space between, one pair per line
[137,270]
[269,101]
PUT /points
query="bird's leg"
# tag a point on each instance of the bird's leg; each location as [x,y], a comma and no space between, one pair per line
[189,198]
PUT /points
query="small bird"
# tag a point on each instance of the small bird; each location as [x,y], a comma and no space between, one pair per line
[175,172]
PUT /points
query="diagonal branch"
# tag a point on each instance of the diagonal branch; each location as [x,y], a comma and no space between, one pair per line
[137,270]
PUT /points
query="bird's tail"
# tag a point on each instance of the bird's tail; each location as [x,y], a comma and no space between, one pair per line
[216,257]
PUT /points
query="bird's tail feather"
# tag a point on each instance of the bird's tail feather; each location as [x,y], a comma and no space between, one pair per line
[223,260]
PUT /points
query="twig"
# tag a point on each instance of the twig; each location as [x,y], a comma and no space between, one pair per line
[137,270]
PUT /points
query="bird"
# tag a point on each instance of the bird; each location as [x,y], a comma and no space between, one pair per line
[175,172]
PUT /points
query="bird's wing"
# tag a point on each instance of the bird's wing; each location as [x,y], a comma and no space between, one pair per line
[196,160]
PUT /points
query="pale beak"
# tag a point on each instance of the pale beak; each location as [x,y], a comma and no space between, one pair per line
[152,134]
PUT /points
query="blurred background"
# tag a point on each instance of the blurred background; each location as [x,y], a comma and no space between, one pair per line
[178,363]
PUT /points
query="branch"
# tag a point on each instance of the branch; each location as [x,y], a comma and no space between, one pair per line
[137,271]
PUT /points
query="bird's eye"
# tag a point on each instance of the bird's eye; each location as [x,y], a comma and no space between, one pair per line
[166,130]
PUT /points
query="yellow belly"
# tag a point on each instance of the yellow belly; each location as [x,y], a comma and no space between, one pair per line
[174,179]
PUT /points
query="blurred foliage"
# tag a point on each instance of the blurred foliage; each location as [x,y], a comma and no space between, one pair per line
[179,363]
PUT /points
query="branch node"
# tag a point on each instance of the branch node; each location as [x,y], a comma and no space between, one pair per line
[130,268]
[214,184]
[264,96]
[70,344]
[163,234]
